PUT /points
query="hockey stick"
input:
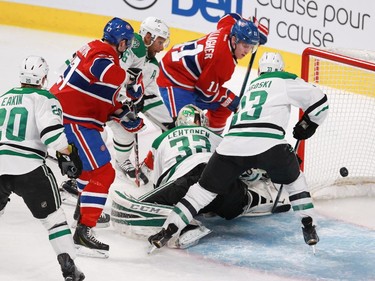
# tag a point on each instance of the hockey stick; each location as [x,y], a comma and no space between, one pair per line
[247,75]
[275,208]
[136,153]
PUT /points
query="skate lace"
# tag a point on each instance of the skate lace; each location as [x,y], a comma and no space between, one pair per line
[126,165]
[91,236]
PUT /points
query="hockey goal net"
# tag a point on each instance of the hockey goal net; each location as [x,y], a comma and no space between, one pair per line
[346,140]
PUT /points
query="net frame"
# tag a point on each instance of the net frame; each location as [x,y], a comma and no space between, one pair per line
[346,137]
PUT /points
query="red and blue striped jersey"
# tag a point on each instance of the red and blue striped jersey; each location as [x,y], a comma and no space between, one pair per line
[89,87]
[203,65]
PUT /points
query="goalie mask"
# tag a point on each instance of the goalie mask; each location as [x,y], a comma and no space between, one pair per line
[191,115]
[33,70]
[157,28]
[270,62]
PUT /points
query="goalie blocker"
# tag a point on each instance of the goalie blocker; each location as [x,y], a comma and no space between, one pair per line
[138,219]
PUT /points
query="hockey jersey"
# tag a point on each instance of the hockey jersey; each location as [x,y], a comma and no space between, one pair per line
[180,149]
[264,112]
[31,120]
[89,87]
[203,65]
[136,57]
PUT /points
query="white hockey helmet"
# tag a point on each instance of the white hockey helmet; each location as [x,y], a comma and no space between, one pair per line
[270,62]
[33,70]
[191,115]
[156,27]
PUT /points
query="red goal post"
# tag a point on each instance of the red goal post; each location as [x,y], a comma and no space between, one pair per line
[347,137]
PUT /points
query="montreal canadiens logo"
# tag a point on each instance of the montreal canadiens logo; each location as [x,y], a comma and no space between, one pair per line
[140,4]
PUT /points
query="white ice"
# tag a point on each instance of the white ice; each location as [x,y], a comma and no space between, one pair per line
[26,255]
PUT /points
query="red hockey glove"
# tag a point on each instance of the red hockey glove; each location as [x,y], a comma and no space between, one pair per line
[135,88]
[230,101]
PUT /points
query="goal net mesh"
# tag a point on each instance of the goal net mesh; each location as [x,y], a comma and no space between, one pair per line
[347,137]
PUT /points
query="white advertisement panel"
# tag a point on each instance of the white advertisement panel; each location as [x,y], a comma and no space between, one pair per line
[293,24]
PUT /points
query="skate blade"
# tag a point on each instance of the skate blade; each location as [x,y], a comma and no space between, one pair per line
[151,249]
[313,249]
[102,225]
[91,253]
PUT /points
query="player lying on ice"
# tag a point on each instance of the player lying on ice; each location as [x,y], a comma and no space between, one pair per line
[177,159]
[256,139]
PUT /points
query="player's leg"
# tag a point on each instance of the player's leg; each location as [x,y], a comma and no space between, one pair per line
[95,180]
[176,98]
[123,143]
[220,172]
[5,191]
[218,119]
[284,169]
[40,192]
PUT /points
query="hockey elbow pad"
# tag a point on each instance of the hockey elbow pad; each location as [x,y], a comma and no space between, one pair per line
[305,128]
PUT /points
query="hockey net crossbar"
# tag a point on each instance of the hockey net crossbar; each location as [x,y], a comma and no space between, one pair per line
[346,138]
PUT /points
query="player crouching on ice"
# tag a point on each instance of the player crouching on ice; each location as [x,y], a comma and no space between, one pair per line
[177,159]
[258,132]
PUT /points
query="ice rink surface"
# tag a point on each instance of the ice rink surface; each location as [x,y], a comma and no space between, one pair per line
[257,248]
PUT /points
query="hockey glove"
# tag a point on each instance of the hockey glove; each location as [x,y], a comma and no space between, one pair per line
[134,126]
[134,88]
[70,165]
[263,31]
[129,120]
[304,129]
[230,101]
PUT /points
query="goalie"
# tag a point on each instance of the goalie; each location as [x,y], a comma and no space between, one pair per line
[177,159]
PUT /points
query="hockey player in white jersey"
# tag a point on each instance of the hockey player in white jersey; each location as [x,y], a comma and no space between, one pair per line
[256,135]
[177,159]
[31,121]
[153,37]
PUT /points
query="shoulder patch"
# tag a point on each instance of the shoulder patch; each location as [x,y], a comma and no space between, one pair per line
[138,47]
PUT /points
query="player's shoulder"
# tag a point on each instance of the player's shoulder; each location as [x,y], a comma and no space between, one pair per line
[31,91]
[277,74]
[138,48]
[153,62]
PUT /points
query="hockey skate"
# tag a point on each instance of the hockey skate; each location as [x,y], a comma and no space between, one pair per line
[190,235]
[309,232]
[161,238]
[129,170]
[69,269]
[87,243]
[69,192]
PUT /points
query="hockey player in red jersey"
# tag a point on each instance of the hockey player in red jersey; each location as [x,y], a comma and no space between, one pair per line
[88,92]
[194,72]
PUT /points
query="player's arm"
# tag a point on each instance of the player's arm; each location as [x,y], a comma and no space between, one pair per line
[50,126]
[313,102]
[209,87]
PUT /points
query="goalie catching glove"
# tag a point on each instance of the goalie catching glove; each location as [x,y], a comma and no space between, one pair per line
[134,88]
[70,165]
[305,128]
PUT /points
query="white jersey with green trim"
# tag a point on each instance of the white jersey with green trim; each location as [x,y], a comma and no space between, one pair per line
[137,57]
[180,149]
[30,120]
[264,113]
